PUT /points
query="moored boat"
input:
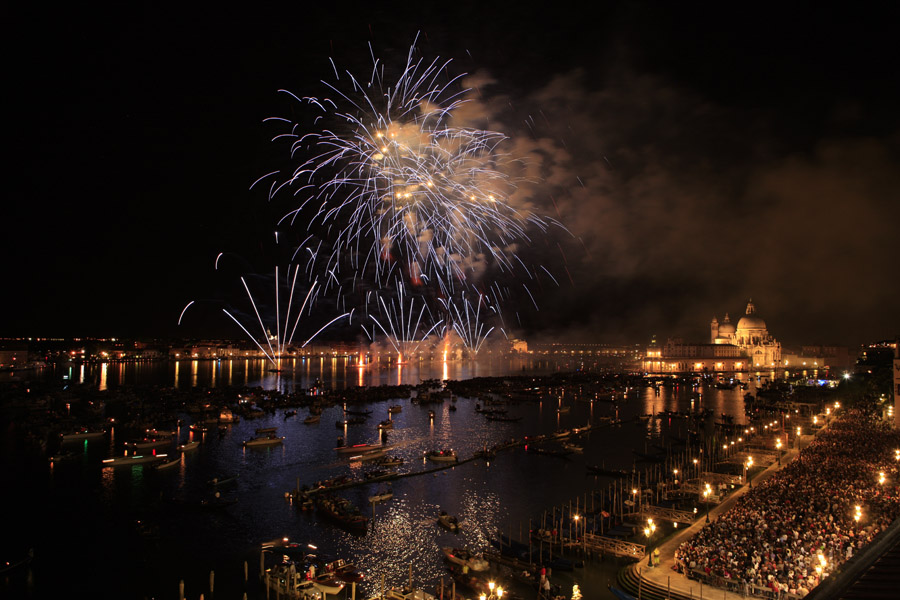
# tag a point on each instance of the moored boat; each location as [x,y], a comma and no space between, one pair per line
[120,461]
[464,558]
[442,456]
[167,463]
[147,444]
[82,434]
[188,446]
[395,408]
[359,448]
[328,583]
[227,416]
[262,441]
[222,480]
[368,455]
[312,418]
[344,571]
[341,512]
[448,522]
[381,495]
[386,424]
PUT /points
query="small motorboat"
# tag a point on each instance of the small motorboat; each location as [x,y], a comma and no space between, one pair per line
[381,495]
[187,447]
[121,461]
[464,558]
[442,456]
[223,480]
[168,463]
[81,434]
[263,441]
[386,424]
[448,522]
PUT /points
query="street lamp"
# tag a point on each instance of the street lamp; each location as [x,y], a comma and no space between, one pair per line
[649,531]
[496,592]
[778,447]
[706,494]
[747,467]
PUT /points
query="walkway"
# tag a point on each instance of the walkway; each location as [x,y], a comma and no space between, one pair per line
[666,578]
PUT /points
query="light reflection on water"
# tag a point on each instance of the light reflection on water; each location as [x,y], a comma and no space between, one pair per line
[507,494]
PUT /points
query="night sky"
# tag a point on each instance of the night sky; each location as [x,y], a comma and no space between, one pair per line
[698,157]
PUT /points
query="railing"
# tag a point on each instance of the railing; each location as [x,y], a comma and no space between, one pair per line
[614,546]
[667,514]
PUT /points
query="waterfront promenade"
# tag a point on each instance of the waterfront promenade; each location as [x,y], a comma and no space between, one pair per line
[795,529]
[678,585]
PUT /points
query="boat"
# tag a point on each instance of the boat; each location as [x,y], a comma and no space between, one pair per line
[289,413]
[63,456]
[386,424]
[226,416]
[395,409]
[82,434]
[389,461]
[11,565]
[265,430]
[381,495]
[147,444]
[359,448]
[288,582]
[312,418]
[222,480]
[341,512]
[448,522]
[328,583]
[264,441]
[573,448]
[464,558]
[187,447]
[352,421]
[563,409]
[360,413]
[368,455]
[442,456]
[167,463]
[120,461]
[345,571]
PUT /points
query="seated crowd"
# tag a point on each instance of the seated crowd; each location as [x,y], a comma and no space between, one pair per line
[800,524]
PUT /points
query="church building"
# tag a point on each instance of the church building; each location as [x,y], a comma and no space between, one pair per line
[731,348]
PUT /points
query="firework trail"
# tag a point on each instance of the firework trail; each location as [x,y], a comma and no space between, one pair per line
[405,321]
[467,323]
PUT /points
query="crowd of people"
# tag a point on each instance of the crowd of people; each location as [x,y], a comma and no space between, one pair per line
[810,517]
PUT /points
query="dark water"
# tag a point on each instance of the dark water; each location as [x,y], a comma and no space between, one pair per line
[137,532]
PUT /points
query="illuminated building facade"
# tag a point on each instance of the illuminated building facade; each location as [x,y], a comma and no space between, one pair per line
[731,348]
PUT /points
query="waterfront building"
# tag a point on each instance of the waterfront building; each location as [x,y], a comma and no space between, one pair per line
[743,347]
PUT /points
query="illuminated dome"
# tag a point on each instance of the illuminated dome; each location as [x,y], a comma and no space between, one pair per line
[727,327]
[750,321]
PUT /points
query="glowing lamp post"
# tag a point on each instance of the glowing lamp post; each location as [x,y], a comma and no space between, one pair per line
[747,467]
[496,592]
[649,530]
[706,493]
[778,448]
